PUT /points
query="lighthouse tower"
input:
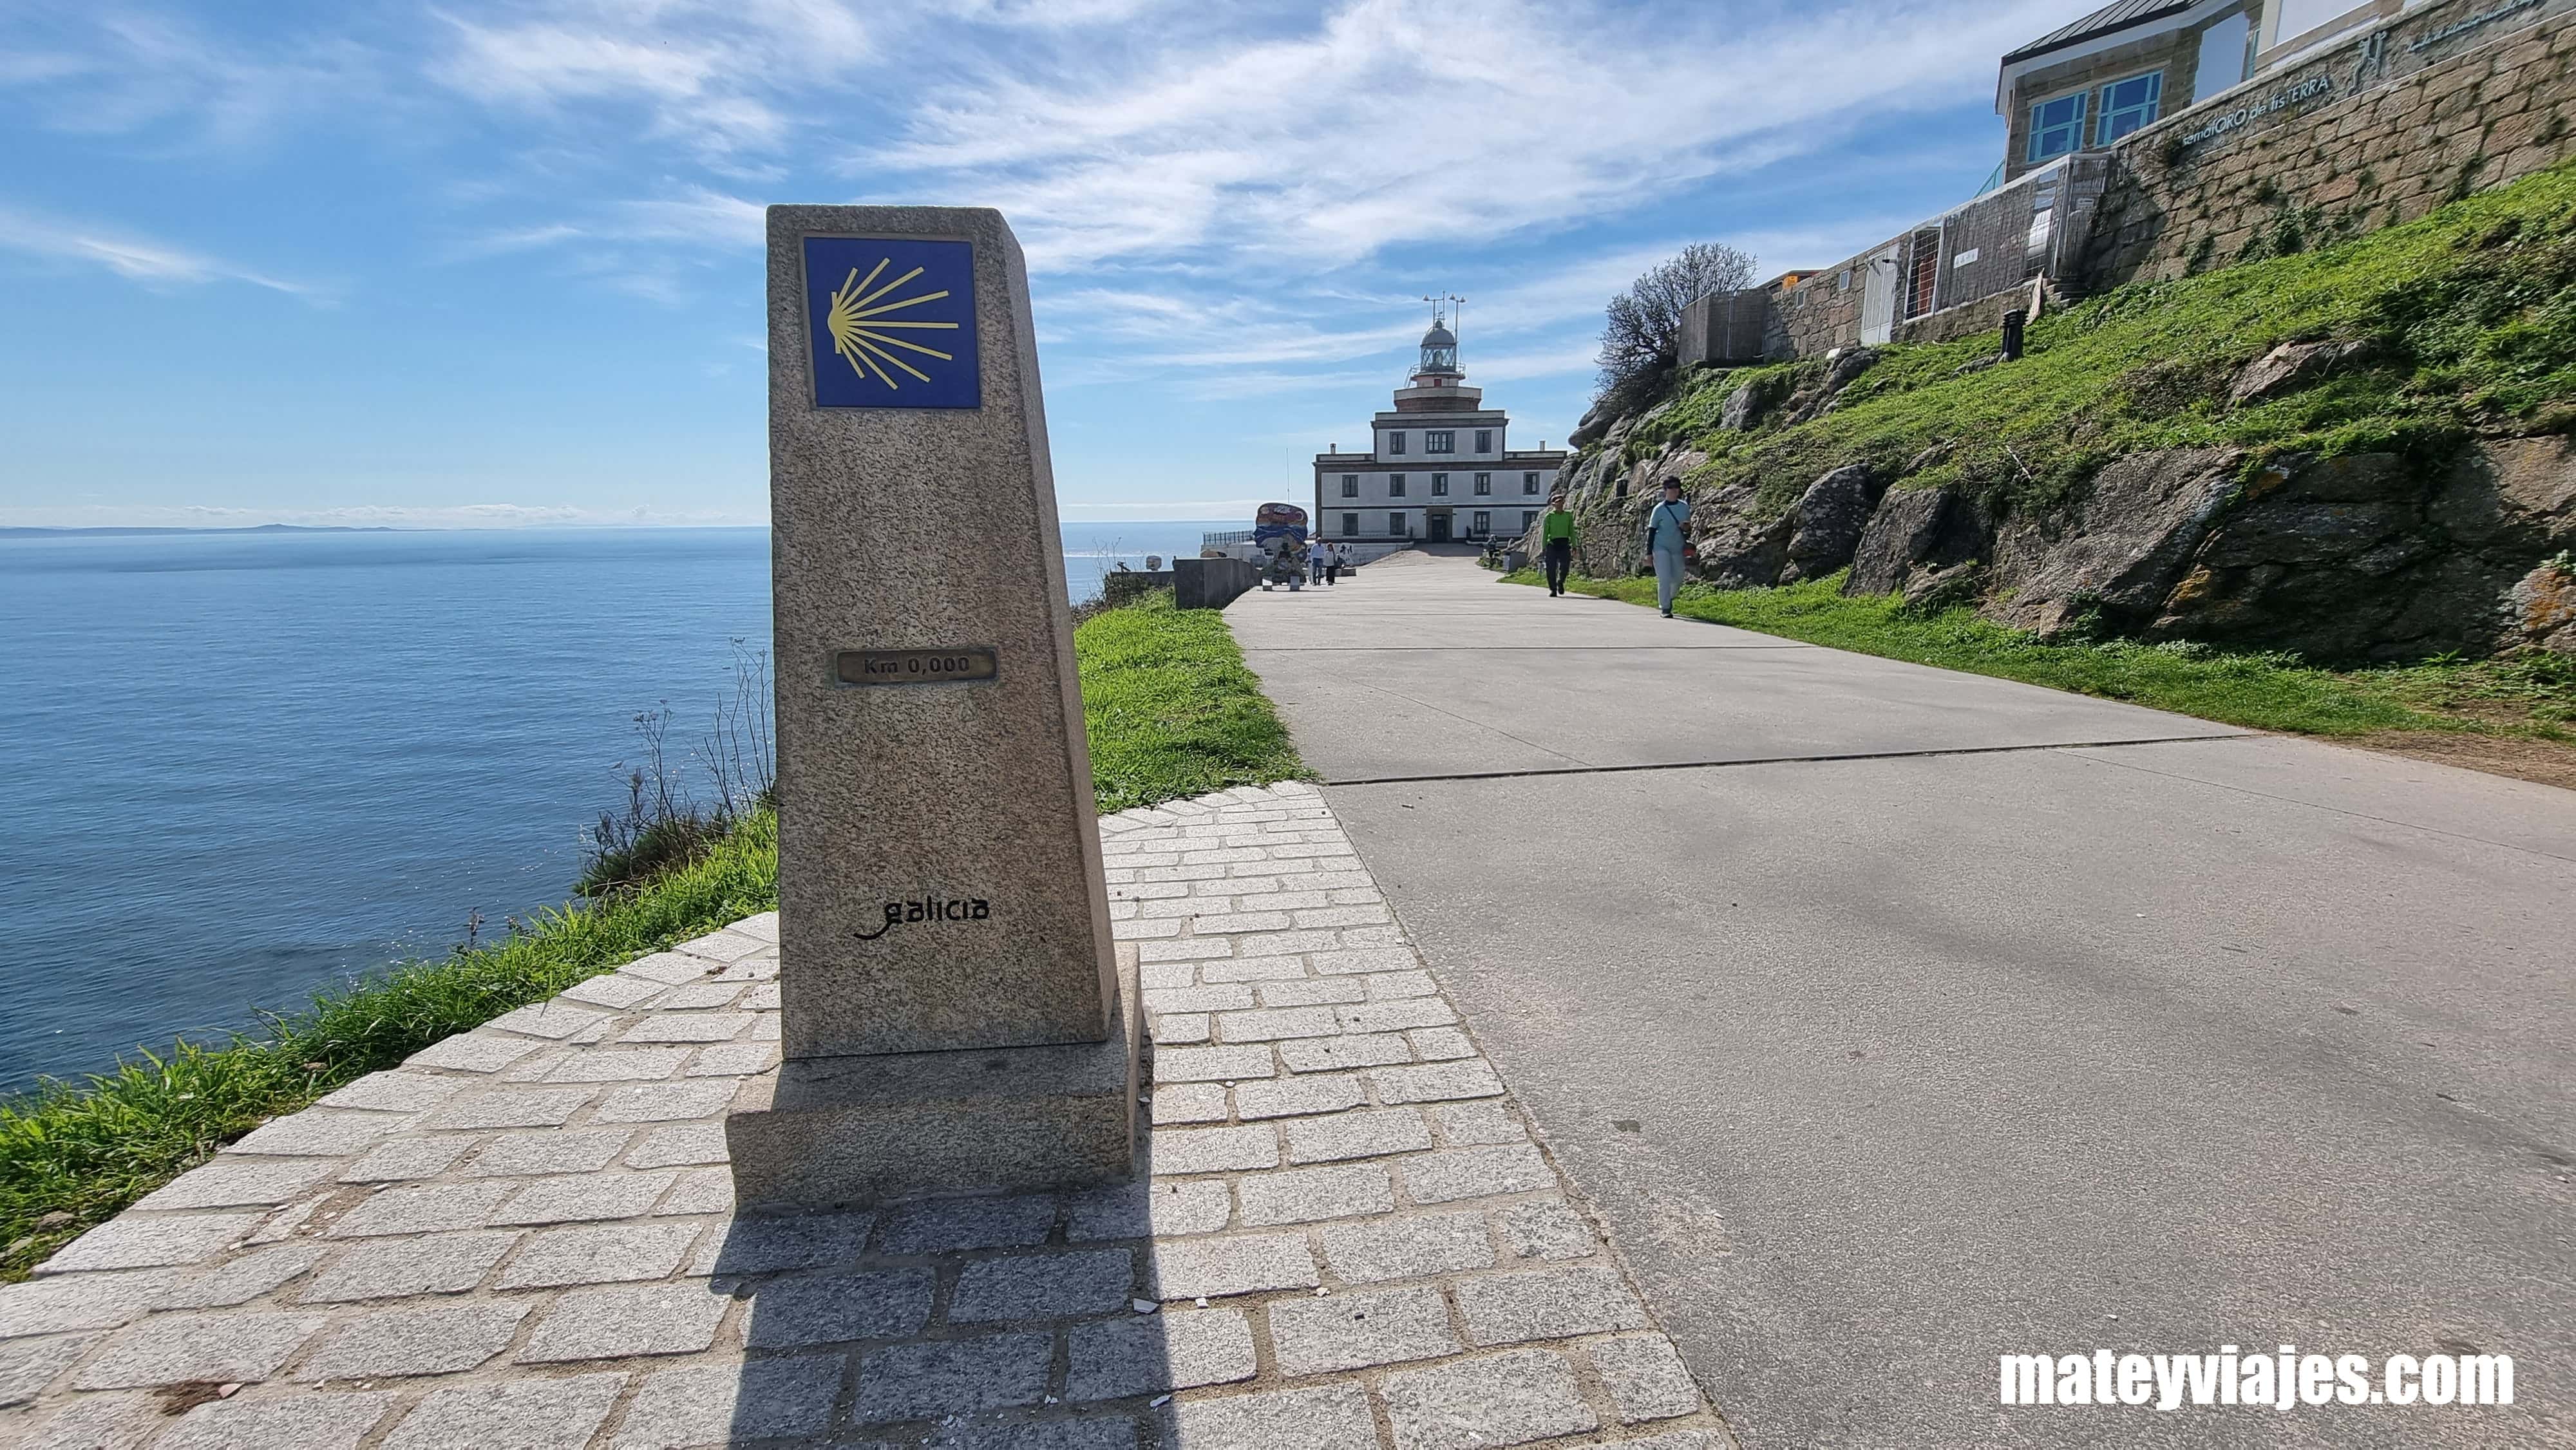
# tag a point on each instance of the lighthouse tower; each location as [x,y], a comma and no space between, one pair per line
[1438,468]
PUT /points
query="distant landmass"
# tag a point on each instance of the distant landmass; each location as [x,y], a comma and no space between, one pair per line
[22,531]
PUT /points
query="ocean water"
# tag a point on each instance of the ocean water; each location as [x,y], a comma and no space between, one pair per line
[237,767]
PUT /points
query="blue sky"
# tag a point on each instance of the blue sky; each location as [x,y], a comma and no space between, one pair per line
[499,263]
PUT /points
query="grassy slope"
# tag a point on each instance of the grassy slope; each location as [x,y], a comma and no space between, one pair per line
[2472,311]
[1171,711]
[2531,698]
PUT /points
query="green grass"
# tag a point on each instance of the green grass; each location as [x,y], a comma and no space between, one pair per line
[2529,697]
[1171,708]
[2470,312]
[1171,711]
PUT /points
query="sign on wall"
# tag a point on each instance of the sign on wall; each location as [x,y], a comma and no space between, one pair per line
[890,323]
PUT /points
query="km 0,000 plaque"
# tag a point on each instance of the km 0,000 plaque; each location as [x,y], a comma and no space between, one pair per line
[952,666]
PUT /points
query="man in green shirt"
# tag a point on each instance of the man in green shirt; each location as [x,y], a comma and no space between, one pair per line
[1556,532]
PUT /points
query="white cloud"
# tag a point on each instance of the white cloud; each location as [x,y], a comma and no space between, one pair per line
[135,258]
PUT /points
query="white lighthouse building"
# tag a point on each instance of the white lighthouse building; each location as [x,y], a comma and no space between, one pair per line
[1439,466]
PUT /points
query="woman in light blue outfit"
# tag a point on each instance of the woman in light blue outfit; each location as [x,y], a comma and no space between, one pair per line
[1665,537]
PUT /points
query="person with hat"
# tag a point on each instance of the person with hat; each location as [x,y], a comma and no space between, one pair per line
[1667,536]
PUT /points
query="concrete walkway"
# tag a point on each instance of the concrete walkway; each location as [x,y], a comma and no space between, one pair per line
[525,1237]
[1899,1019]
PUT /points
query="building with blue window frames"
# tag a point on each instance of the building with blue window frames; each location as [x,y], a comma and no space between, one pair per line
[2085,85]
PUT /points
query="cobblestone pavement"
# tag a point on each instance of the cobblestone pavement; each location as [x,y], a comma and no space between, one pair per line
[524,1235]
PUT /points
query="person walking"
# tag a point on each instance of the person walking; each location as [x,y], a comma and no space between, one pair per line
[1667,536]
[1556,544]
[1332,563]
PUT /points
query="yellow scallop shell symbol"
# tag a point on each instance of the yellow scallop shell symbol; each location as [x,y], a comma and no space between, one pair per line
[864,335]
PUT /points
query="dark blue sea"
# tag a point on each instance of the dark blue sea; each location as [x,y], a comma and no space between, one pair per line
[237,767]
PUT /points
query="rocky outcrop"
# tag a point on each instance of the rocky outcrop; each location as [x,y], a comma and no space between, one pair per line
[1915,530]
[1828,522]
[2119,551]
[2291,366]
[2543,604]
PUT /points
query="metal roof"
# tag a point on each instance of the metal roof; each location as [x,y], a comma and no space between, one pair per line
[2118,15]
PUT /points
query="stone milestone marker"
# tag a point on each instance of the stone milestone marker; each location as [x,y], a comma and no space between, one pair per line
[952,1011]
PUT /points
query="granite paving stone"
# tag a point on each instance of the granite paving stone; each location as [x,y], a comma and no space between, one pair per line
[546,1019]
[699,1190]
[1335,1417]
[1495,1400]
[663,1102]
[1255,968]
[144,1241]
[1286,1097]
[834,1309]
[565,1150]
[667,968]
[242,1279]
[284,1422]
[1313,991]
[123,1420]
[600,1254]
[397,1159]
[511,1108]
[721,1404]
[1645,1378]
[1455,1173]
[584,1196]
[611,1323]
[726,945]
[1211,1064]
[1304,1195]
[1341,1054]
[1362,1134]
[1390,986]
[28,1365]
[1159,1209]
[1440,1044]
[633,1064]
[1546,1229]
[394,1091]
[679,1145]
[1408,1248]
[1242,1264]
[471,1052]
[320,1133]
[1434,1082]
[765,1245]
[1471,1124]
[1190,1102]
[735,1059]
[1043,1286]
[1359,1330]
[440,1338]
[939,1378]
[169,1349]
[1147,1354]
[400,1268]
[614,990]
[56,1304]
[688,1027]
[1548,1304]
[1212,1150]
[692,996]
[971,1223]
[526,1414]
[428,1208]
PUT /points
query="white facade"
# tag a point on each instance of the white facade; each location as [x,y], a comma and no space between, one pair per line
[1439,466]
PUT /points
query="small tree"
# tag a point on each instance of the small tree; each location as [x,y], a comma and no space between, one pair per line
[1642,339]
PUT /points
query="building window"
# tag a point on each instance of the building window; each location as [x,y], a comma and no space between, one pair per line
[1395,485]
[2129,105]
[1350,525]
[2056,127]
[1529,520]
[1529,483]
[1484,522]
[1439,440]
[1484,484]
[1439,485]
[1484,440]
[1395,525]
[1395,443]
[1350,485]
